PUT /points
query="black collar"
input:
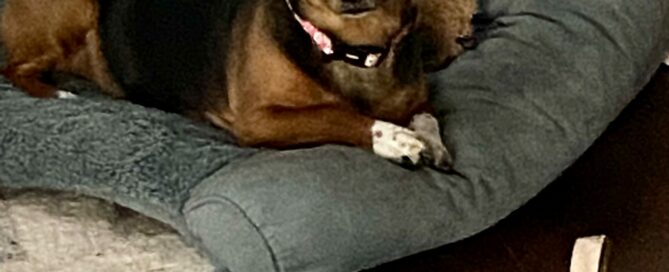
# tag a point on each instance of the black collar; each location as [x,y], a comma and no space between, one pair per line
[360,56]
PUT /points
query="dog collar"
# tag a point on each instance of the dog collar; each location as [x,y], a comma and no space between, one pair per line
[361,56]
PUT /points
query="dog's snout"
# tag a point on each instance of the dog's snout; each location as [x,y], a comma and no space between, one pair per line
[356,6]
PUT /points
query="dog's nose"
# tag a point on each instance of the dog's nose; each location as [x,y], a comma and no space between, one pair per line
[356,6]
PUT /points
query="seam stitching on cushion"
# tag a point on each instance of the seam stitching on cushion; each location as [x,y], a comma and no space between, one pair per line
[243,156]
[217,197]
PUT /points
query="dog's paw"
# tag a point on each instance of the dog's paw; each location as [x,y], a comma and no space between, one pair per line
[65,94]
[426,128]
[396,143]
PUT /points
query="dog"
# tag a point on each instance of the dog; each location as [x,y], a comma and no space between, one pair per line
[278,74]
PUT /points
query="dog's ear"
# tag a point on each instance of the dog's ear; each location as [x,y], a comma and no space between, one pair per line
[444,29]
[437,55]
[431,58]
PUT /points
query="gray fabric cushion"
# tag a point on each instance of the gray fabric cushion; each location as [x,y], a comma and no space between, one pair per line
[544,84]
[546,81]
[141,158]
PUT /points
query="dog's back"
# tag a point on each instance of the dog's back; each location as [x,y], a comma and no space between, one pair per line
[164,53]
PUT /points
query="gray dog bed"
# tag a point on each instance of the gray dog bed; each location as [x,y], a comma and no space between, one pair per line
[544,83]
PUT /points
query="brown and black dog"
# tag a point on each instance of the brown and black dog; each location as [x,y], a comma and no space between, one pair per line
[277,73]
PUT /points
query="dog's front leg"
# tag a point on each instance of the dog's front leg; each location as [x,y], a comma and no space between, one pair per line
[281,127]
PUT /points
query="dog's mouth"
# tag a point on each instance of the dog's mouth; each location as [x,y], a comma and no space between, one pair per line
[333,49]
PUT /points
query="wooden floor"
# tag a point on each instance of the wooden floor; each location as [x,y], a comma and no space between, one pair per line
[620,188]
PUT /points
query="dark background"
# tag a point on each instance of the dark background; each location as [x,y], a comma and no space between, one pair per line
[619,187]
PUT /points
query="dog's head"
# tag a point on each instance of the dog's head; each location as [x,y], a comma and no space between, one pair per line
[358,22]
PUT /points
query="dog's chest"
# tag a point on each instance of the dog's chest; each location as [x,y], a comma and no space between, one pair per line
[377,92]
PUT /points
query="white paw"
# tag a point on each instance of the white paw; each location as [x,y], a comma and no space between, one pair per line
[396,143]
[426,128]
[65,94]
[666,61]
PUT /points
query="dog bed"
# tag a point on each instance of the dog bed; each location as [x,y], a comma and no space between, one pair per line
[544,82]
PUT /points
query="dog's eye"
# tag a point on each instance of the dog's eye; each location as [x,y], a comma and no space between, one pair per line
[356,6]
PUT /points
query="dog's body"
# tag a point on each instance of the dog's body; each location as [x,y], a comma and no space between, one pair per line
[251,66]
